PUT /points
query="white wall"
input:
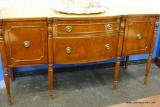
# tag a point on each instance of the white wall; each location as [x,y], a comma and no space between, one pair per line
[152,4]
[25,3]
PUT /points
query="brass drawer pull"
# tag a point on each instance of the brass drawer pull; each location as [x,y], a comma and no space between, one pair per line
[26,44]
[68,50]
[109,26]
[107,46]
[139,36]
[68,29]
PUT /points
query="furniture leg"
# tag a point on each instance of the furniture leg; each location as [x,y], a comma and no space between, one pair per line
[4,64]
[148,68]
[7,83]
[126,63]
[50,77]
[116,71]
[11,74]
[158,62]
[50,57]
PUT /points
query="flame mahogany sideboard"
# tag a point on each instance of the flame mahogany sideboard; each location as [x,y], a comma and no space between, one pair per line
[73,40]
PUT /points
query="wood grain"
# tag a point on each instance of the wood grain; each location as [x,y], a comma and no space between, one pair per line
[5,64]
[36,41]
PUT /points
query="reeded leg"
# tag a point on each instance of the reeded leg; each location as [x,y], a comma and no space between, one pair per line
[116,71]
[126,63]
[50,56]
[6,79]
[50,77]
[148,68]
[11,74]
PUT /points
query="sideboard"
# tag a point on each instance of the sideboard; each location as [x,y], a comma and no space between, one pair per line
[71,39]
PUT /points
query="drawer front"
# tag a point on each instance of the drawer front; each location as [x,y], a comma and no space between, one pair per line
[70,28]
[138,35]
[70,49]
[26,42]
[103,47]
[102,26]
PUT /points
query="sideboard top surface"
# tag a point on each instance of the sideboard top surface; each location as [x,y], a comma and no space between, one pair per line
[43,12]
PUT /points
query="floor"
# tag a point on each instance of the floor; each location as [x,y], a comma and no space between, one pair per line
[87,88]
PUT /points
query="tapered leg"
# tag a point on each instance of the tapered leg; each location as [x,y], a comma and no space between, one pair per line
[148,68]
[11,74]
[6,79]
[50,77]
[126,63]
[3,55]
[50,57]
[117,66]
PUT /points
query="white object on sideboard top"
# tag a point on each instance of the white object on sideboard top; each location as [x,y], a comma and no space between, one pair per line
[80,6]
[116,7]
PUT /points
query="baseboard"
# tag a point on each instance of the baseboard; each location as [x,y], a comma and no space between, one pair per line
[2,85]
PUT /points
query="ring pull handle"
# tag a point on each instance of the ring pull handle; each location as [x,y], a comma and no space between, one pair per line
[68,50]
[107,46]
[26,44]
[68,29]
[139,36]
[109,26]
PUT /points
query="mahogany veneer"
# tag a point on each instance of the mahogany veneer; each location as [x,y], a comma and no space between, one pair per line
[64,40]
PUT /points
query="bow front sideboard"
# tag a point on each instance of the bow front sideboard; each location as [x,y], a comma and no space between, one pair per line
[41,36]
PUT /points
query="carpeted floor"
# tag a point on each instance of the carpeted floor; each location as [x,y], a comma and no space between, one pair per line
[86,88]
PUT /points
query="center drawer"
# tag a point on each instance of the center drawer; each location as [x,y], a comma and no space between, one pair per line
[70,28]
[78,41]
[102,47]
[70,49]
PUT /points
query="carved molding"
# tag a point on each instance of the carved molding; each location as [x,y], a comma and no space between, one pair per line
[123,24]
[28,59]
[49,28]
[1,30]
[156,24]
[13,27]
[50,41]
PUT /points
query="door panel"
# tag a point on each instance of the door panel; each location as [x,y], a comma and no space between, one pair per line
[26,42]
[138,35]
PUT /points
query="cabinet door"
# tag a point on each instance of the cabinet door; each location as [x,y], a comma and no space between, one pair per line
[70,49]
[103,47]
[26,42]
[138,35]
